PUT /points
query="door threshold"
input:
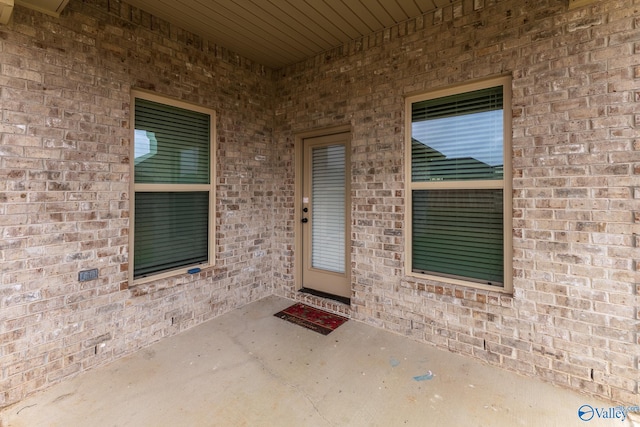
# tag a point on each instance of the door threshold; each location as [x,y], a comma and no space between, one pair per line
[343,300]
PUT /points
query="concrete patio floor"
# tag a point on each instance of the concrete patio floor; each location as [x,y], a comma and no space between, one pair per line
[249,368]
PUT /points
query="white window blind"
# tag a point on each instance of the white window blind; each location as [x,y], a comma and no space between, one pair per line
[328,209]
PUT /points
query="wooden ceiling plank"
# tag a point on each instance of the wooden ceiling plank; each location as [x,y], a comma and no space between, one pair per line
[364,15]
[276,33]
[225,27]
[393,8]
[262,27]
[196,20]
[410,8]
[340,7]
[344,26]
[307,16]
[292,23]
[378,11]
[423,6]
[442,3]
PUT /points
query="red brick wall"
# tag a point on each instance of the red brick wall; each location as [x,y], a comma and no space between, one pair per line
[573,317]
[64,142]
[64,162]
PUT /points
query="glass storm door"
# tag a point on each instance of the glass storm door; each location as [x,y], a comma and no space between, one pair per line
[325,215]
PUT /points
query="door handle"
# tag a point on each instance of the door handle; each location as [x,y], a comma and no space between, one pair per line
[305,220]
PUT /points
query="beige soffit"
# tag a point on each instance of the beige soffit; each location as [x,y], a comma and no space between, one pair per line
[50,7]
[6,7]
[579,3]
[276,33]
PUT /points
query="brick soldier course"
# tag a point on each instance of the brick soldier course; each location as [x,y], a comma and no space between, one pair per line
[573,318]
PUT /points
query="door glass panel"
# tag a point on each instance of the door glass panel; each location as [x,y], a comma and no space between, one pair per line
[328,209]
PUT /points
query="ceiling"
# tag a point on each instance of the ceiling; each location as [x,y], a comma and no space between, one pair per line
[276,33]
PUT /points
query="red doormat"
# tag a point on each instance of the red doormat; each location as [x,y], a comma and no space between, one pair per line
[311,318]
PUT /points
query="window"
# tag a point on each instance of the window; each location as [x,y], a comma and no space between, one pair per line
[173,187]
[459,185]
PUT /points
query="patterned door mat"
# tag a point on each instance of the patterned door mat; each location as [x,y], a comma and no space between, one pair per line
[311,318]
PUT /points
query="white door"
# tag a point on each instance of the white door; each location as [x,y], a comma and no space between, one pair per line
[325,215]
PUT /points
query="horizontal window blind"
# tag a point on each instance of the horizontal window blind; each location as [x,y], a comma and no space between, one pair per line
[459,233]
[458,137]
[171,144]
[328,211]
[460,104]
[171,230]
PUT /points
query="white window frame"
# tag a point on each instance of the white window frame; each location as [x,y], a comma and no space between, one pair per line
[505,184]
[210,188]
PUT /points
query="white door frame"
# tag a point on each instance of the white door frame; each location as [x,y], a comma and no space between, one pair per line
[298,248]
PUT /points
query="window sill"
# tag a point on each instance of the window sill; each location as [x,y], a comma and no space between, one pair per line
[457,282]
[175,273]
